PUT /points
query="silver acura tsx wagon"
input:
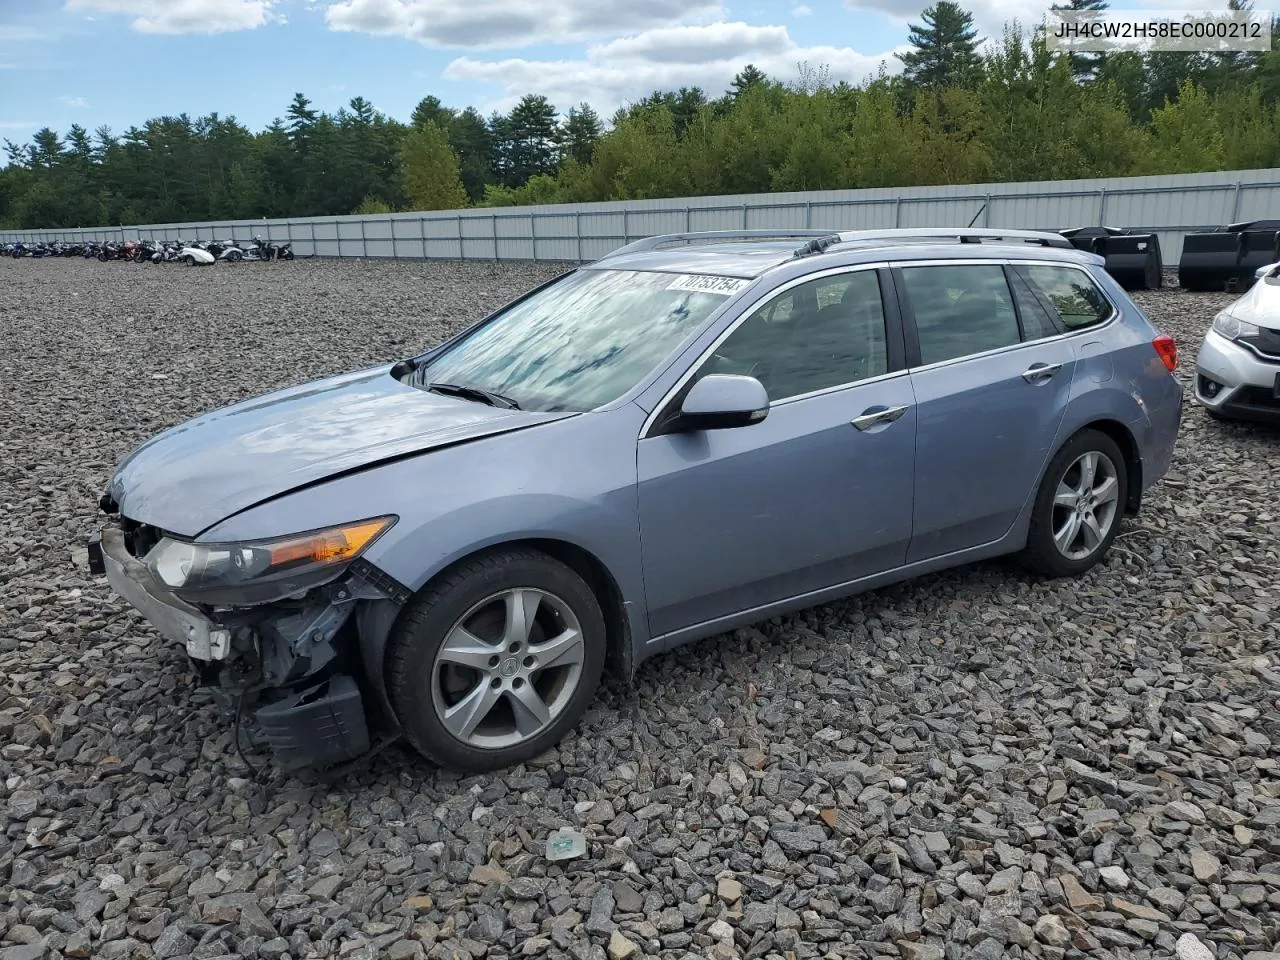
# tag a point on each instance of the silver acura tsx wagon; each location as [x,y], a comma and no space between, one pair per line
[692,433]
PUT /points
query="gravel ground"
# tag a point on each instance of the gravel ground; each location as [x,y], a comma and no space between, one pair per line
[975,764]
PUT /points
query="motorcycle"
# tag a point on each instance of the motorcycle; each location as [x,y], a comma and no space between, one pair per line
[196,254]
[276,251]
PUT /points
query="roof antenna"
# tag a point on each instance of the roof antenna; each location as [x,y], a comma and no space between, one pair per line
[977,215]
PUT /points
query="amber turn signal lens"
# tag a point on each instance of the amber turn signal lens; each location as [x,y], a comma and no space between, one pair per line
[329,546]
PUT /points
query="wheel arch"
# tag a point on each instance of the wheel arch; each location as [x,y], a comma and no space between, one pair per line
[1128,444]
[379,620]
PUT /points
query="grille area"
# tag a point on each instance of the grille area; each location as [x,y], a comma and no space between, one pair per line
[139,538]
[1266,343]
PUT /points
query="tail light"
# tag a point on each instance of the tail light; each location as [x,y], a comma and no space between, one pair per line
[1168,351]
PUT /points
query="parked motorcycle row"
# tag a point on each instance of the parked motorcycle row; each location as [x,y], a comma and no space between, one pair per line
[195,253]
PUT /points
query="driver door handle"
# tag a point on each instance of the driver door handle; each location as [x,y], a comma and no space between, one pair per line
[1039,372]
[873,417]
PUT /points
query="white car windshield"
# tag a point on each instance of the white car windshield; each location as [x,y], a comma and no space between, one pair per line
[583,341]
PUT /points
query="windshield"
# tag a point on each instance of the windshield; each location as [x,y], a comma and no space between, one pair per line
[583,341]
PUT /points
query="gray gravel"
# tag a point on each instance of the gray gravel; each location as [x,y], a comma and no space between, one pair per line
[976,764]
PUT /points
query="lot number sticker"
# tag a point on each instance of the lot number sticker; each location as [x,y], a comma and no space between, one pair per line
[704,284]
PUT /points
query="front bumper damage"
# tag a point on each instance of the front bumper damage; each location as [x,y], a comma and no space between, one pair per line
[291,670]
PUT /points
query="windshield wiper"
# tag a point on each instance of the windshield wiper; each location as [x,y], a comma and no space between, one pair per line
[474,393]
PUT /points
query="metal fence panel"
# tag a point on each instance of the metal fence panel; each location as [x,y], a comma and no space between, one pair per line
[1171,206]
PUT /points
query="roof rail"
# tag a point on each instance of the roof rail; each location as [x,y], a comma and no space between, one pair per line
[961,234]
[651,243]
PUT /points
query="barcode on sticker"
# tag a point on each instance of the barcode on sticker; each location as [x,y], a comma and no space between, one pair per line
[706,284]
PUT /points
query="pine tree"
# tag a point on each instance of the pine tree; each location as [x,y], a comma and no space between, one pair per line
[946,49]
[1084,66]
[580,133]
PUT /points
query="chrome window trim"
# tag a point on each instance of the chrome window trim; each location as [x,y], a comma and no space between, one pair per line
[749,311]
[1022,344]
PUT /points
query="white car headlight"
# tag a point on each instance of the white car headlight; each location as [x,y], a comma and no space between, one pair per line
[260,571]
[1233,328]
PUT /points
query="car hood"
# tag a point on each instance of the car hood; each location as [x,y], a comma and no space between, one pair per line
[1260,305]
[200,472]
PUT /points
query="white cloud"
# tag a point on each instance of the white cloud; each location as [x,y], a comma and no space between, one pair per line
[185,16]
[495,24]
[667,58]
[801,11]
[79,103]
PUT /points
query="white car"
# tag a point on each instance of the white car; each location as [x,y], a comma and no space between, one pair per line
[1238,368]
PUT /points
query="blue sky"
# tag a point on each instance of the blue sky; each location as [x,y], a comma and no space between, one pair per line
[120,62]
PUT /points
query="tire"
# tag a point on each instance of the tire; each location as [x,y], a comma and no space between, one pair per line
[235,256]
[287,255]
[421,684]
[1083,551]
[189,260]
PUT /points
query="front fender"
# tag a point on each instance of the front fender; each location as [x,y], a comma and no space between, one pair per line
[571,480]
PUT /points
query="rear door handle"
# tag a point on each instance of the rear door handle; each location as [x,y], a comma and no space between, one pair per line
[1040,372]
[873,417]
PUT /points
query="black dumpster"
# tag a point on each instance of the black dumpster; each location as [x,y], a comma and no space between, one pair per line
[1133,259]
[1226,258]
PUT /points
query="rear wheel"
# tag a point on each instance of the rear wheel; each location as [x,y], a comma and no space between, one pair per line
[189,260]
[495,663]
[1079,506]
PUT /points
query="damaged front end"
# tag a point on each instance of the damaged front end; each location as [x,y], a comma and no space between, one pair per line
[268,625]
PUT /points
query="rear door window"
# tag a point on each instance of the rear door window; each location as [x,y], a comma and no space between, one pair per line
[960,309]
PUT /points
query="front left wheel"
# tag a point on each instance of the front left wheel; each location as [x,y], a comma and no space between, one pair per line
[496,662]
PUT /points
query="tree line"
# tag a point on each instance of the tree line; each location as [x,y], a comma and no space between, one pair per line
[961,111]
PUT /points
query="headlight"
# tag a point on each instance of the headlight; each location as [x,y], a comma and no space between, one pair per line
[1233,329]
[260,571]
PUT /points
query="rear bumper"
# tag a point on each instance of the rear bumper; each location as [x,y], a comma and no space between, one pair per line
[1233,381]
[317,721]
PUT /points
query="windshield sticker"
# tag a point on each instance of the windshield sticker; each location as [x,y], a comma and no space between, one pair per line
[723,286]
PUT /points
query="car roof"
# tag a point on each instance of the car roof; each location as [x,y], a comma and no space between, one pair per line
[749,257]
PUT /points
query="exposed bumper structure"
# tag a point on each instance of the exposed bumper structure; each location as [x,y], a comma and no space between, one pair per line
[1234,381]
[175,619]
[305,706]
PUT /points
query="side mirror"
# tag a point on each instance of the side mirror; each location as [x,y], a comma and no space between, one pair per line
[719,401]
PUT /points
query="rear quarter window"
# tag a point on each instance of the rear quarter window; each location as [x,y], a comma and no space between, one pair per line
[1072,293]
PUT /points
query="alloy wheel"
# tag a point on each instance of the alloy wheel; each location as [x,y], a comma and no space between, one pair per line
[1086,505]
[507,668]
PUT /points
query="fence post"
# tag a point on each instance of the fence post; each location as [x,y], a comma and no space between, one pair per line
[493,225]
[462,250]
[1102,207]
[577,229]
[392,225]
[688,219]
[337,232]
[364,243]
[897,212]
[1235,205]
[533,235]
[986,211]
[626,226]
[422,235]
[312,224]
[808,214]
[744,216]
